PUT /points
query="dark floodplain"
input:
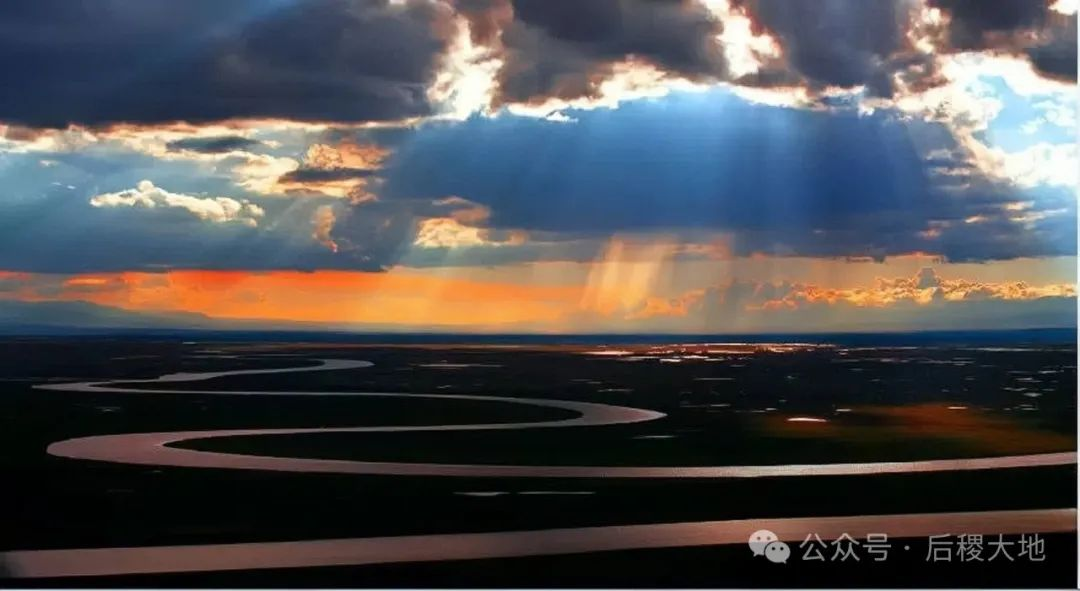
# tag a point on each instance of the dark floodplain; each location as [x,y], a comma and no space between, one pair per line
[790,402]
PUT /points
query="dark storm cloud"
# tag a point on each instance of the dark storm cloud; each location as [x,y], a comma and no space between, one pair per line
[837,42]
[1055,55]
[486,18]
[972,23]
[212,145]
[1011,26]
[102,61]
[305,175]
[563,49]
[675,34]
[781,181]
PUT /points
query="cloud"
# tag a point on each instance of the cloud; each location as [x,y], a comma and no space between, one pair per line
[461,227]
[566,50]
[446,233]
[20,139]
[549,54]
[1040,164]
[407,60]
[323,222]
[218,210]
[923,301]
[843,43]
[973,25]
[13,282]
[925,288]
[345,155]
[343,170]
[1028,27]
[205,60]
[1055,54]
[977,100]
[777,181]
[462,210]
[213,145]
[450,233]
[313,177]
[896,45]
[124,232]
[845,174]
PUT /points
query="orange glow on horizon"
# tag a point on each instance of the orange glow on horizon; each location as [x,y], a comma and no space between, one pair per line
[631,285]
[338,297]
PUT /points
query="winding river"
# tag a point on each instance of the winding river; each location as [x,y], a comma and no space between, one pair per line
[156,449]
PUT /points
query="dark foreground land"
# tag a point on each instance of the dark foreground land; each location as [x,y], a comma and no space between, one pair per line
[725,405]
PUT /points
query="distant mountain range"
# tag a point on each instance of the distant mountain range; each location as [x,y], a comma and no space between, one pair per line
[18,317]
[77,317]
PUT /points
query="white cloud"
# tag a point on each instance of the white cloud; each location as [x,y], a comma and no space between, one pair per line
[745,50]
[965,103]
[968,105]
[447,233]
[323,221]
[259,173]
[1065,6]
[1058,112]
[460,228]
[1041,164]
[22,140]
[218,210]
[326,171]
[465,83]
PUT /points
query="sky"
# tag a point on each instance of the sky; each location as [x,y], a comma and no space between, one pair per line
[669,166]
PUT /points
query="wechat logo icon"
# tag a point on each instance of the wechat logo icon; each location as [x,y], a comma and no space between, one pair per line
[765,543]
